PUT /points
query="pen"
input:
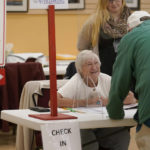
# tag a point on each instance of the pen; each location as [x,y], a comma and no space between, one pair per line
[72,110]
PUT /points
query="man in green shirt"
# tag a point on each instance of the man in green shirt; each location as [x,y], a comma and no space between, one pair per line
[133,64]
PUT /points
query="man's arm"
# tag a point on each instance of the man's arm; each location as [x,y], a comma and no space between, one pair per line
[121,78]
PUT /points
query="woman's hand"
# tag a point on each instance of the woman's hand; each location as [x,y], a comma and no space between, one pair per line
[130,99]
[93,101]
[104,101]
[98,101]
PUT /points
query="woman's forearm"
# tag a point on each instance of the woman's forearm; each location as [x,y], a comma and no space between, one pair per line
[66,102]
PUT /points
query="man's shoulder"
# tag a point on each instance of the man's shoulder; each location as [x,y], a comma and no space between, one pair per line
[130,37]
[136,33]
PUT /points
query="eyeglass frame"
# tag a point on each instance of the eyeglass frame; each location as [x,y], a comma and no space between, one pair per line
[111,1]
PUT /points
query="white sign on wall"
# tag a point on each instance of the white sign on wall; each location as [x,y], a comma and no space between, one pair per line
[2,32]
[43,4]
[61,135]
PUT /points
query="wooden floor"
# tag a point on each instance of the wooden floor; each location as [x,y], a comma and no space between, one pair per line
[7,141]
[132,145]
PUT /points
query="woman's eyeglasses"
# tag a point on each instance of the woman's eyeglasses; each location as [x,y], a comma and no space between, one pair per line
[111,1]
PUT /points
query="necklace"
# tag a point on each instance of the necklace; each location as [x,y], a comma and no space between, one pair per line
[94,89]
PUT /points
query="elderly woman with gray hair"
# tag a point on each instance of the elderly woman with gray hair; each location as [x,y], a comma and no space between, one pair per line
[90,87]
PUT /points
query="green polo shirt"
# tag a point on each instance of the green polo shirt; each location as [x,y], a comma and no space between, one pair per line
[132,62]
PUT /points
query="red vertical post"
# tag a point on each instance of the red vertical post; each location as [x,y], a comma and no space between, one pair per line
[52,60]
[52,63]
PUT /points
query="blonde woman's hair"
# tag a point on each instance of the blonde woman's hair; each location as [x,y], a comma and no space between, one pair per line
[101,17]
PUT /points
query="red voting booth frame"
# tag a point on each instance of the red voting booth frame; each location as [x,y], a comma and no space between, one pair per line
[52,63]
[2,64]
[2,76]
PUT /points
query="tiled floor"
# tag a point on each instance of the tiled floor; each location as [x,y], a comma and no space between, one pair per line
[7,141]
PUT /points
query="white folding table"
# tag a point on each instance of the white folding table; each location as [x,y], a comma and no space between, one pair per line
[86,120]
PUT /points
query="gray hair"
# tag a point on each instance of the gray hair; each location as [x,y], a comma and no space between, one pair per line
[82,57]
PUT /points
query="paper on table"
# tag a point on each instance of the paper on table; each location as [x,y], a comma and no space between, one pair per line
[65,57]
[97,110]
[131,106]
[60,110]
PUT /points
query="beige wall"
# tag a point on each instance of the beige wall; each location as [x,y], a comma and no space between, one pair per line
[29,31]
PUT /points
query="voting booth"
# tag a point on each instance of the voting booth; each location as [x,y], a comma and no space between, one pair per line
[69,137]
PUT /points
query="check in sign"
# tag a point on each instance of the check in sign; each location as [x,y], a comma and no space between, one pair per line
[61,135]
[2,32]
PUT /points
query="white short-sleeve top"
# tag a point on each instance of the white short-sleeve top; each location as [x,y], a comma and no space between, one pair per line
[76,89]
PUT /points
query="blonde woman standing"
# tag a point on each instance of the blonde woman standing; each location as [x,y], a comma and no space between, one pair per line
[103,30]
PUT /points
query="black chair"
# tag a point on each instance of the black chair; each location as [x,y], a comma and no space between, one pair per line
[70,71]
